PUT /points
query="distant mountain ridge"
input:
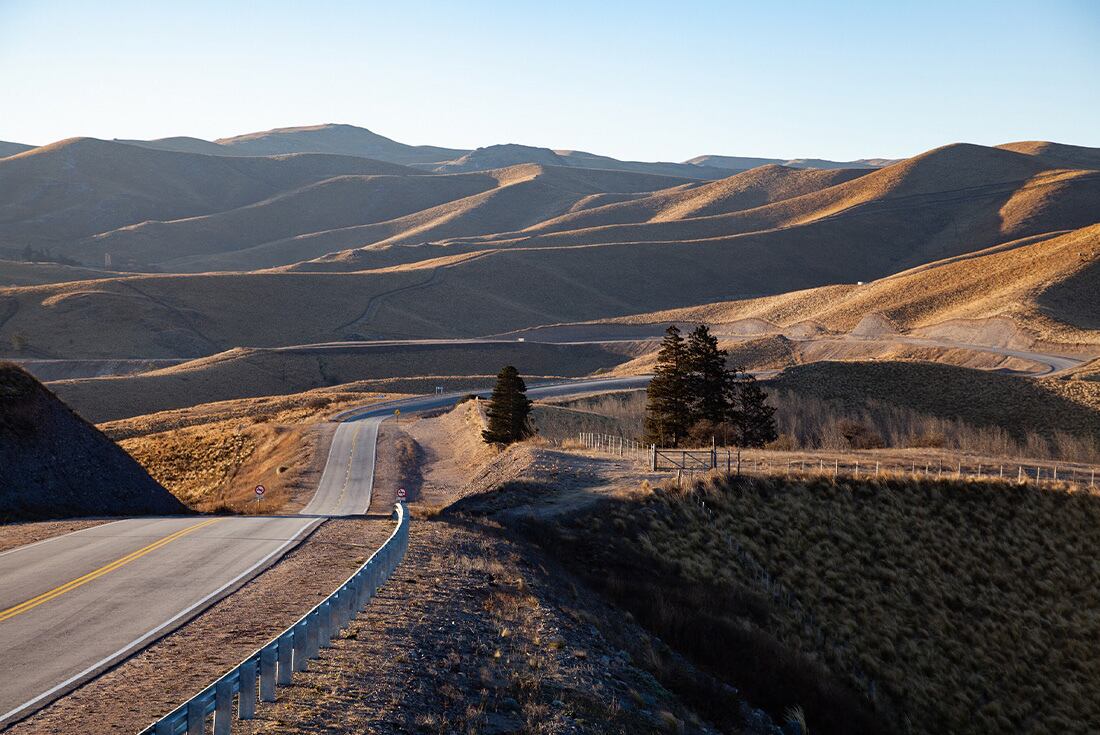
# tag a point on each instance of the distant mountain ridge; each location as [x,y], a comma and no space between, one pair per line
[740,163]
[350,140]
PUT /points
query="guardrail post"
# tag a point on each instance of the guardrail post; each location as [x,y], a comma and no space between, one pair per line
[223,708]
[313,637]
[196,717]
[286,658]
[324,630]
[301,646]
[268,660]
[246,701]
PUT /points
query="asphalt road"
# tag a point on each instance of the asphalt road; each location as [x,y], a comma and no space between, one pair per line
[74,605]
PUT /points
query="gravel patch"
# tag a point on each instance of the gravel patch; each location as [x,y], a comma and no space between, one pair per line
[473,635]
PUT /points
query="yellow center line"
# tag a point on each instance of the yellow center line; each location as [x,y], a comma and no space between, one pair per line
[11,612]
[347,474]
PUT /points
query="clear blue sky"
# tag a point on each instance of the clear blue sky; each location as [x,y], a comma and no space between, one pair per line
[634,80]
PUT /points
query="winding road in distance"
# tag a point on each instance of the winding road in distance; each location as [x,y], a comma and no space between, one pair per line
[74,605]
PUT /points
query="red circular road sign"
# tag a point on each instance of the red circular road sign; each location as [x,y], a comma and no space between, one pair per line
[260,489]
[401,493]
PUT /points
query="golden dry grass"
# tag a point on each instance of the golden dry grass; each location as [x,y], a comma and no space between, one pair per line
[1042,286]
[1015,404]
[212,456]
[244,373]
[691,244]
[965,604]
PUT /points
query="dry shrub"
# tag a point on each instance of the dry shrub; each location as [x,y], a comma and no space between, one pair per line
[962,607]
[718,623]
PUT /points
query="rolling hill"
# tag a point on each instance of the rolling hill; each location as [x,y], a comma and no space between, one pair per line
[344,211]
[498,156]
[1057,155]
[346,140]
[486,252]
[1035,289]
[96,477]
[250,372]
[746,162]
[61,194]
[10,149]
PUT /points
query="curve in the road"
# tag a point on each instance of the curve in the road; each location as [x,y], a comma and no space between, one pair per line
[72,606]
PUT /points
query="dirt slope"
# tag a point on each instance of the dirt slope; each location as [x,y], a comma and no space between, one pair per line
[53,464]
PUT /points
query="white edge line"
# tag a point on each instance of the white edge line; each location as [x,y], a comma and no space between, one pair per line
[373,461]
[138,643]
[39,542]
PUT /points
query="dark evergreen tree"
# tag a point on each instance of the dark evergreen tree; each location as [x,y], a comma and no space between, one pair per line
[669,398]
[755,419]
[710,380]
[508,409]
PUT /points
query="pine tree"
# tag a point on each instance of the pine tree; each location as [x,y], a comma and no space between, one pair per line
[508,409]
[668,410]
[710,379]
[755,419]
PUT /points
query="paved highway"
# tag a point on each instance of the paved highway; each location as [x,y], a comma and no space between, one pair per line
[73,605]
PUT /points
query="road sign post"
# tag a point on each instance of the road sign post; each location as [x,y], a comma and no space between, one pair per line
[401,495]
[260,490]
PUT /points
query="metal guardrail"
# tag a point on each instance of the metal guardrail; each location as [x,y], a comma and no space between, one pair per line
[274,664]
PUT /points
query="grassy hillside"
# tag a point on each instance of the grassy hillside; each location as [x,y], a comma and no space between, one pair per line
[1058,154]
[1042,284]
[746,190]
[188,316]
[346,140]
[96,476]
[471,296]
[335,213]
[960,607]
[58,194]
[10,149]
[951,200]
[242,373]
[21,273]
[981,398]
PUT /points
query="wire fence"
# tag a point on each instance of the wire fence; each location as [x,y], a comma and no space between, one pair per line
[617,445]
[731,460]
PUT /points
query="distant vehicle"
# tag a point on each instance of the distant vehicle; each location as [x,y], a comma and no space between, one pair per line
[520,339]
